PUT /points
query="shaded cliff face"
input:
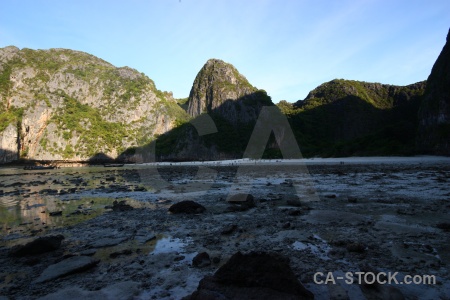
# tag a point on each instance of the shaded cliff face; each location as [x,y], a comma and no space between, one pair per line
[346,117]
[434,114]
[220,88]
[232,105]
[62,104]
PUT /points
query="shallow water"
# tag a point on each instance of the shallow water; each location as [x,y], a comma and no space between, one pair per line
[27,197]
[389,205]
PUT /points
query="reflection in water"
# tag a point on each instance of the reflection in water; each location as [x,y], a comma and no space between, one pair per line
[31,210]
[27,197]
[167,245]
[36,209]
[34,213]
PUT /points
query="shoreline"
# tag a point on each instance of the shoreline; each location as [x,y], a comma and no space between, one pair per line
[247,161]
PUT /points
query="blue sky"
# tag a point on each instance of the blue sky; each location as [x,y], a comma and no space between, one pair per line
[285,47]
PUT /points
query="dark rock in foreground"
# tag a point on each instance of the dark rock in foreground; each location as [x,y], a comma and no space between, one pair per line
[293,200]
[187,207]
[356,247]
[121,206]
[444,226]
[120,253]
[257,275]
[229,229]
[38,246]
[68,266]
[201,260]
[241,202]
[352,199]
[241,199]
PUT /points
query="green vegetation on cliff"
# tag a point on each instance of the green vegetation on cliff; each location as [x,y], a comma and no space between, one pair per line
[85,122]
[72,105]
[5,83]
[11,115]
[346,117]
[68,104]
[231,103]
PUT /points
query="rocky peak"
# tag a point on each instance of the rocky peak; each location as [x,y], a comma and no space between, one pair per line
[8,52]
[216,82]
[219,87]
[434,113]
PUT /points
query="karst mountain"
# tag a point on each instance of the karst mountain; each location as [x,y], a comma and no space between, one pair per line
[66,105]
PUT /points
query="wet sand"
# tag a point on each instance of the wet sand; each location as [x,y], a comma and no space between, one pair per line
[389,207]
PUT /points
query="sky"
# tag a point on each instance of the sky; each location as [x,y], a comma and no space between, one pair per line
[286,47]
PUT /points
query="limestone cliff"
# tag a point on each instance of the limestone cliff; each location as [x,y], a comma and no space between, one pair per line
[61,104]
[347,117]
[434,114]
[220,88]
[233,106]
[8,144]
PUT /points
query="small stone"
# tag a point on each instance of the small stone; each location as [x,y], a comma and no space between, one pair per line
[201,260]
[121,206]
[49,191]
[107,242]
[65,267]
[55,213]
[32,261]
[352,199]
[287,183]
[88,252]
[229,229]
[356,247]
[295,212]
[286,225]
[38,246]
[187,207]
[120,253]
[240,199]
[241,202]
[292,200]
[337,292]
[179,258]
[444,226]
[110,178]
